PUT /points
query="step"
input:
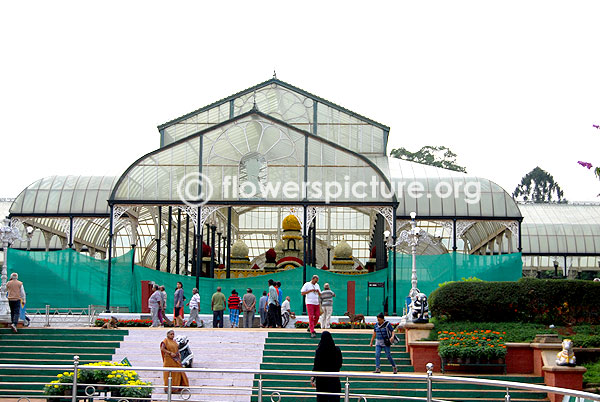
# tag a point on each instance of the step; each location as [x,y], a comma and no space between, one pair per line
[57,343]
[62,337]
[57,331]
[56,349]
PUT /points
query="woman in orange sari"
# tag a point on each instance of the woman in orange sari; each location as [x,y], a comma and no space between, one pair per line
[169,350]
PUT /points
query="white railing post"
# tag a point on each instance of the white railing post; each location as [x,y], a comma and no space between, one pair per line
[429,367]
[75,370]
[507,396]
[260,381]
[347,390]
[170,387]
[47,315]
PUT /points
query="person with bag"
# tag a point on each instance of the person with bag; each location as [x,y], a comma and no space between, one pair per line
[383,334]
[311,291]
[179,298]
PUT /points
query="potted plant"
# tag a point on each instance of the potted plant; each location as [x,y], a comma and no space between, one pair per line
[136,389]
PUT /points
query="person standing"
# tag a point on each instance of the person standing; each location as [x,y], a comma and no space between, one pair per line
[154,302]
[169,350]
[327,296]
[249,306]
[279,301]
[328,357]
[194,308]
[178,309]
[285,312]
[234,309]
[382,334]
[16,298]
[312,291]
[162,312]
[217,305]
[262,309]
[272,305]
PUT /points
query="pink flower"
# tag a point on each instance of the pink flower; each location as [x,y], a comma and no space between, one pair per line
[596,126]
[585,164]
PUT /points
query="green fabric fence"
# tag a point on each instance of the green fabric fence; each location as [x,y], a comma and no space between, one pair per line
[67,278]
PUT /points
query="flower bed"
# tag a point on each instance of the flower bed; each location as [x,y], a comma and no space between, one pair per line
[481,345]
[339,325]
[130,323]
[128,381]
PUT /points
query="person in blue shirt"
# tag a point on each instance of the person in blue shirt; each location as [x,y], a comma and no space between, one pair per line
[382,335]
[280,300]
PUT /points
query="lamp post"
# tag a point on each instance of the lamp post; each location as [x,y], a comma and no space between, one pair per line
[411,237]
[8,234]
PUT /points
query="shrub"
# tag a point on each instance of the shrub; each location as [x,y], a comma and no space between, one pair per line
[592,375]
[527,300]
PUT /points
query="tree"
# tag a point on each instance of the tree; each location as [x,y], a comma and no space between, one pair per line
[441,157]
[539,186]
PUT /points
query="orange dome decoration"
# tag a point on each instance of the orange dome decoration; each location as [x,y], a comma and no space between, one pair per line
[291,223]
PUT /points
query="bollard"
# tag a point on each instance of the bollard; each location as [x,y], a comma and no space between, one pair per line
[47,316]
[75,370]
[429,367]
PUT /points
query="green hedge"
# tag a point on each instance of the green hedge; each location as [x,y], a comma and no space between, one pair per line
[544,301]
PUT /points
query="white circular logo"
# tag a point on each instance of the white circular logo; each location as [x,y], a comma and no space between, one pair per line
[195,189]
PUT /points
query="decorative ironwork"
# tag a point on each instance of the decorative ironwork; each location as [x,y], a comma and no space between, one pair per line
[388,214]
[462,227]
[206,211]
[513,226]
[312,212]
[190,211]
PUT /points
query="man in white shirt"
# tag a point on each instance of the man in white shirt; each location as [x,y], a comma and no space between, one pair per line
[285,312]
[312,291]
[194,308]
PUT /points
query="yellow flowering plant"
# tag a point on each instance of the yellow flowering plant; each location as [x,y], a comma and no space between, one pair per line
[87,376]
[137,389]
[60,385]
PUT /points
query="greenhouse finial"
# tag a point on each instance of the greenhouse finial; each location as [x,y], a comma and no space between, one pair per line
[274,74]
[254,105]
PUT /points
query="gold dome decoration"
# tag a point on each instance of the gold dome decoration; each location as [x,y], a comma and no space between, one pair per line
[342,250]
[290,222]
[239,250]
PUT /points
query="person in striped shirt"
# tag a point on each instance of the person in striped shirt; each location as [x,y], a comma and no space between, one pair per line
[234,302]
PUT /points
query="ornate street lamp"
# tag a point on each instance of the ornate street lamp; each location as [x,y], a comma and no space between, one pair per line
[412,238]
[8,234]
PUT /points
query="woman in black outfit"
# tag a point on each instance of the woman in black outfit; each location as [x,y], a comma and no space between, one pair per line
[328,357]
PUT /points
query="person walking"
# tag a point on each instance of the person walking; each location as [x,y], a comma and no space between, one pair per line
[154,302]
[179,298]
[249,307]
[326,297]
[279,302]
[285,312]
[234,309]
[382,334]
[194,308]
[262,309]
[328,357]
[217,305]
[272,302]
[169,350]
[16,298]
[312,291]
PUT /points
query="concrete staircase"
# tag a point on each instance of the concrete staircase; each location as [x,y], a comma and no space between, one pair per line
[295,350]
[212,348]
[44,346]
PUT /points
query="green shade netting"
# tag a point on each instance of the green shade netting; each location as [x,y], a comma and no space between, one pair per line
[67,278]
[435,269]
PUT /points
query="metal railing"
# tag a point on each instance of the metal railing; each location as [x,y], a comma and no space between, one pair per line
[94,392]
[48,316]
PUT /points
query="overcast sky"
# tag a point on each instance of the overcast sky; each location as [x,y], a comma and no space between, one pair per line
[507,85]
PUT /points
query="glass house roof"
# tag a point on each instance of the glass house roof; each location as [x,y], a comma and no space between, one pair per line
[253,147]
[291,105]
[561,229]
[65,195]
[445,193]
